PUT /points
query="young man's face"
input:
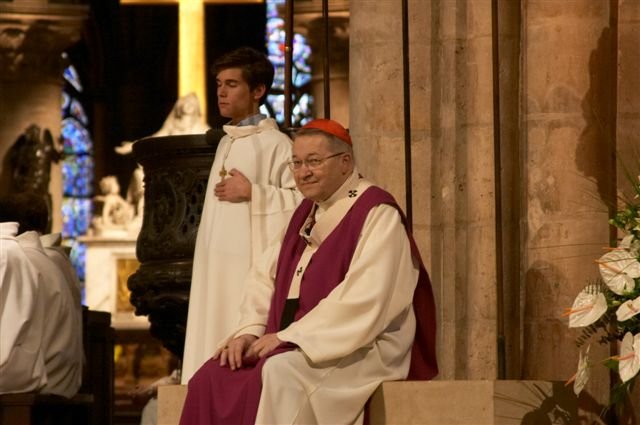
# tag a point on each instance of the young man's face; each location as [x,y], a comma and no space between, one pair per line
[235,99]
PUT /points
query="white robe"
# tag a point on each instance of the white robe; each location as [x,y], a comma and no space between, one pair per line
[21,318]
[232,235]
[62,335]
[358,336]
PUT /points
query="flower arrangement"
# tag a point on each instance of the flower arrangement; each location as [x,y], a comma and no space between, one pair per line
[612,305]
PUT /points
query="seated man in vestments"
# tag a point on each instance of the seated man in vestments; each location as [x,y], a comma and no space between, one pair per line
[61,339]
[22,316]
[340,305]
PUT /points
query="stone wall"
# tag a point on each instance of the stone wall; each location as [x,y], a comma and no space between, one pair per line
[569,96]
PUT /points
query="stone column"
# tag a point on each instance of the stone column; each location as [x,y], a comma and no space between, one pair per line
[33,36]
[452,154]
[628,110]
[628,101]
[566,172]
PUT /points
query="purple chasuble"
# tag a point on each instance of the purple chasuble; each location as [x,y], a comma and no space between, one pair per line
[217,395]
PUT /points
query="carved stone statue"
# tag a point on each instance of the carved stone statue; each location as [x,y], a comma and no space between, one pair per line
[113,215]
[184,118]
[30,160]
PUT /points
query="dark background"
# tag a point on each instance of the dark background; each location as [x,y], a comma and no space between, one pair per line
[127,61]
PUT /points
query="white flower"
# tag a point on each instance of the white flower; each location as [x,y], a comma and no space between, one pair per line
[587,308]
[630,244]
[582,375]
[618,268]
[629,357]
[628,309]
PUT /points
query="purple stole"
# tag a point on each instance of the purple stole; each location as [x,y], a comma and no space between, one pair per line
[218,395]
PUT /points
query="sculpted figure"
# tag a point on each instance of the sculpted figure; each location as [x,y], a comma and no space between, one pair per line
[113,213]
[30,159]
[184,118]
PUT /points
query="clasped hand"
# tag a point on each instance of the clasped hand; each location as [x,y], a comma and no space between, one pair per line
[246,350]
[235,188]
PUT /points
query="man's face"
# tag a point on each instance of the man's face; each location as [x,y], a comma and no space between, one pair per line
[319,183]
[235,99]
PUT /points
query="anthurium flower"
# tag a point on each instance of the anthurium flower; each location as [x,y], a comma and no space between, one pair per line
[628,309]
[587,308]
[618,268]
[629,356]
[631,244]
[582,375]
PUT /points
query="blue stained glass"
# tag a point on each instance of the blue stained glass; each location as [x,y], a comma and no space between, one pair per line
[71,75]
[76,137]
[301,70]
[77,256]
[77,111]
[77,175]
[76,216]
[66,100]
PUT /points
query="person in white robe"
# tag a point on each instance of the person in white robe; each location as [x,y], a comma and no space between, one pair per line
[62,334]
[22,317]
[250,196]
[351,271]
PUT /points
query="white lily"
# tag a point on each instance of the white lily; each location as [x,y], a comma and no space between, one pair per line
[629,357]
[618,268]
[582,375]
[587,308]
[628,309]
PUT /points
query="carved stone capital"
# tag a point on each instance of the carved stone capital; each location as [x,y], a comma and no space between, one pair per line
[33,38]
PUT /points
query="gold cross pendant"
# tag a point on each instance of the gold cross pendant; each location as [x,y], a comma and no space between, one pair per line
[223,173]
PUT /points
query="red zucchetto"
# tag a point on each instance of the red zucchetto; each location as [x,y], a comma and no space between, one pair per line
[331,127]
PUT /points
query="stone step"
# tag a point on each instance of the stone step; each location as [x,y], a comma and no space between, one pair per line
[442,403]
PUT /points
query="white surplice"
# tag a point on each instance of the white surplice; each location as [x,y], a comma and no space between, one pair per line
[232,235]
[62,335]
[22,317]
[358,336]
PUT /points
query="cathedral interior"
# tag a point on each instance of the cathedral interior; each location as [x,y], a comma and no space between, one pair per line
[508,130]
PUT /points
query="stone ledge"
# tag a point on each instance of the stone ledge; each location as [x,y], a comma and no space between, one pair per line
[170,402]
[472,403]
[441,403]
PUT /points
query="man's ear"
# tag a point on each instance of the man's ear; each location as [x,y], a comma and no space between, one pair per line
[259,91]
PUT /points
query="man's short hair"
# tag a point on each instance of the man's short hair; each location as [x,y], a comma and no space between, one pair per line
[255,66]
[28,209]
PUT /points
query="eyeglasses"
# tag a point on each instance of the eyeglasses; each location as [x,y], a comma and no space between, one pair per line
[310,163]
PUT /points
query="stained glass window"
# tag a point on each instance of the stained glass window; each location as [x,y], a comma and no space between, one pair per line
[301,70]
[77,170]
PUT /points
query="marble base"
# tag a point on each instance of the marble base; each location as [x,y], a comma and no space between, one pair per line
[109,263]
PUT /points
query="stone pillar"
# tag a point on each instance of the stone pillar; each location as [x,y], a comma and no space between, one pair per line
[566,165]
[33,36]
[452,154]
[628,101]
[628,111]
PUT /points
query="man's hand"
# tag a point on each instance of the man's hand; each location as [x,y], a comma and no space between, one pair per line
[234,351]
[261,347]
[235,188]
